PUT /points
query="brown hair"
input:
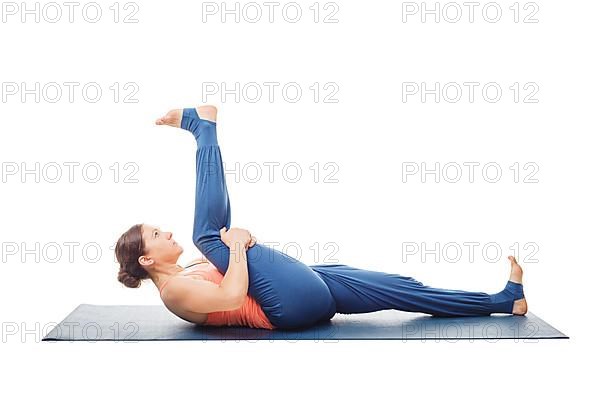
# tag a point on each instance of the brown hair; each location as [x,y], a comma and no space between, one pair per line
[129,248]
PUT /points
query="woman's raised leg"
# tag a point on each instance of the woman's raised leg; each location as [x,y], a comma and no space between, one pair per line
[291,294]
[212,209]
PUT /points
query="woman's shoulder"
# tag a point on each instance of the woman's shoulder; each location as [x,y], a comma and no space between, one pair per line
[171,299]
[201,271]
[197,272]
[174,283]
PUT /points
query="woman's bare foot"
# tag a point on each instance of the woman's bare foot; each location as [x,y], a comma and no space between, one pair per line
[516,275]
[172,118]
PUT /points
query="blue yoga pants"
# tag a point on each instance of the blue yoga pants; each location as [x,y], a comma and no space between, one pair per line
[294,295]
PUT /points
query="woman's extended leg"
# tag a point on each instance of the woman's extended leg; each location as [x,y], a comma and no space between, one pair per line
[361,291]
[291,294]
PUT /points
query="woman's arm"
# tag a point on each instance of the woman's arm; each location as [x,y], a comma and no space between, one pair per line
[205,296]
[235,280]
[201,296]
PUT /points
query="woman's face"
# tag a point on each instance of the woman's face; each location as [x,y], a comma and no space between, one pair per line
[160,246]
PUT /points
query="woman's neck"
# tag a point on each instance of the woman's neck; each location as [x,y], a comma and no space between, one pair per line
[165,272]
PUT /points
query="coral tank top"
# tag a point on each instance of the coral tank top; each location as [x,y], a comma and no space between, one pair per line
[249,314]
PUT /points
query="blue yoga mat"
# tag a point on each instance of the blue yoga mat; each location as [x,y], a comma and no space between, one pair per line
[89,322]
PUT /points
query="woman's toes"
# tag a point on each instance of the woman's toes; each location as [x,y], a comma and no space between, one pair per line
[516,272]
[172,118]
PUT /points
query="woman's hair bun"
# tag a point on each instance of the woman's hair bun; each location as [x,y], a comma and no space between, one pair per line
[128,280]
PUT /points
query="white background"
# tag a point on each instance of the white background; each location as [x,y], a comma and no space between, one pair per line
[368,133]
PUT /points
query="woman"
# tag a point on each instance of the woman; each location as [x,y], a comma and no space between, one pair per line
[245,283]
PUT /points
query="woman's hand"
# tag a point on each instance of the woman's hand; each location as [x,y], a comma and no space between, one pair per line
[252,242]
[237,236]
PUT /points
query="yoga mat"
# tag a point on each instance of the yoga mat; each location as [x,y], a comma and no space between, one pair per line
[89,322]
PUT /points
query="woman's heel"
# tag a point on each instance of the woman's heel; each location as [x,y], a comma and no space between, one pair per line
[503,301]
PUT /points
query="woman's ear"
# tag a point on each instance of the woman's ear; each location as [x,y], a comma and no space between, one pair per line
[145,261]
